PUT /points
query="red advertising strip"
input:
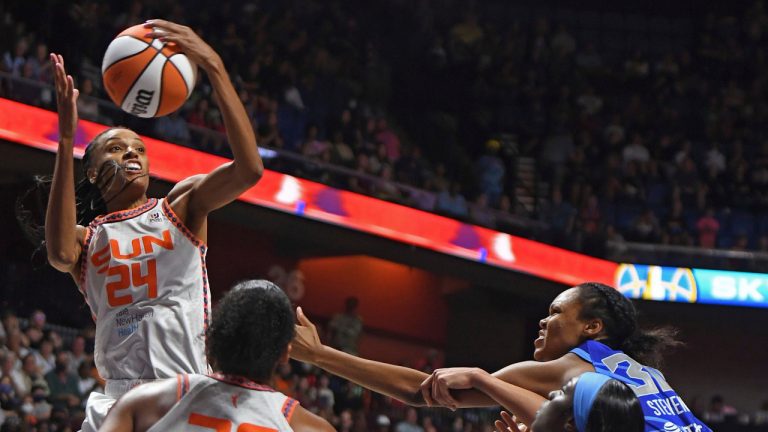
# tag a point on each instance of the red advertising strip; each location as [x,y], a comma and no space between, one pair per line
[38,128]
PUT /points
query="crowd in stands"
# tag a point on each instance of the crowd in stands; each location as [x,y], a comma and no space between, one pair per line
[47,373]
[645,130]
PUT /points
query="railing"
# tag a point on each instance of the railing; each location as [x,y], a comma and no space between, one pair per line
[687,256]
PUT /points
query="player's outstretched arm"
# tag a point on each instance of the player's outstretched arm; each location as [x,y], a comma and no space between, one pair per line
[63,237]
[524,403]
[448,387]
[224,184]
[399,382]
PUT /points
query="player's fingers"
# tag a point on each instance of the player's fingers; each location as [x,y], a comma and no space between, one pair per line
[426,391]
[165,25]
[70,85]
[303,318]
[509,419]
[441,393]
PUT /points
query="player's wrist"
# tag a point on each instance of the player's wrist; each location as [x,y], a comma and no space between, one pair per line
[478,378]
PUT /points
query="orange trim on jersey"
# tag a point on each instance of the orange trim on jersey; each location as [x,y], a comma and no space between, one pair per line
[84,267]
[289,406]
[178,387]
[125,214]
[206,293]
[240,381]
[178,223]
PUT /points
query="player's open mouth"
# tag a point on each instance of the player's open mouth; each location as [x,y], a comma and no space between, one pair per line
[132,167]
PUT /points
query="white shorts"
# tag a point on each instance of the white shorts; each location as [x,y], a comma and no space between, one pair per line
[99,404]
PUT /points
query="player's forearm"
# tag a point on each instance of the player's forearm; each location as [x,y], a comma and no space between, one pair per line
[523,403]
[240,134]
[61,214]
[398,382]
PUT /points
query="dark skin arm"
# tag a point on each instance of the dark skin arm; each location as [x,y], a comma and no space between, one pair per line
[417,388]
[194,198]
[63,237]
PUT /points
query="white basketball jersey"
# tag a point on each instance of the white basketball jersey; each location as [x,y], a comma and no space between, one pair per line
[226,403]
[144,277]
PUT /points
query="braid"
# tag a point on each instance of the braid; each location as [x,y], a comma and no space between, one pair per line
[30,206]
[620,326]
[617,312]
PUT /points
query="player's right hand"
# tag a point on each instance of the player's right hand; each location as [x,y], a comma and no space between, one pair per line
[306,342]
[66,98]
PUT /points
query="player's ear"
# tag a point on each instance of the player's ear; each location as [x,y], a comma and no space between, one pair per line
[286,355]
[593,327]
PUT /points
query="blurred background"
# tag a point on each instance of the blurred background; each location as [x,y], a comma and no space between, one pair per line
[626,133]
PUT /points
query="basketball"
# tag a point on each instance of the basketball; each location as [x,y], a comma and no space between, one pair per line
[146,77]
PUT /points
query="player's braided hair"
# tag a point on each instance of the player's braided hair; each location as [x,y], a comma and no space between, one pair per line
[30,206]
[621,331]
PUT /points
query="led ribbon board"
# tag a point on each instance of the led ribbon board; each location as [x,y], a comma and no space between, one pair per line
[38,128]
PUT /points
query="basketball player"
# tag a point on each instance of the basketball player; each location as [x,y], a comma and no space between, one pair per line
[590,328]
[141,264]
[590,402]
[249,336]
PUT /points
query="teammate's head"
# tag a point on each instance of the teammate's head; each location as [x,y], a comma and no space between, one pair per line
[251,330]
[591,403]
[597,311]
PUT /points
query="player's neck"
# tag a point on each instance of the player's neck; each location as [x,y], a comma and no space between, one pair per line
[126,204]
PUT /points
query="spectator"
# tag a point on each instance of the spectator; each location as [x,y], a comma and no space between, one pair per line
[86,383]
[452,202]
[62,384]
[645,227]
[490,170]
[718,411]
[382,423]
[345,328]
[172,128]
[410,423]
[708,228]
[389,139]
[87,105]
[325,397]
[14,61]
[44,357]
[635,151]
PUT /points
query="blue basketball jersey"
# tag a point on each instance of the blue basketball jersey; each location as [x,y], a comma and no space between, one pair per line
[664,410]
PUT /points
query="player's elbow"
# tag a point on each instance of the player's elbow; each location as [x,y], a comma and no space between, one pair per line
[250,173]
[63,261]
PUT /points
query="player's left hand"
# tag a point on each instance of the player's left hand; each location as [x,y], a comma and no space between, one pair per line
[306,342]
[510,424]
[436,388]
[190,43]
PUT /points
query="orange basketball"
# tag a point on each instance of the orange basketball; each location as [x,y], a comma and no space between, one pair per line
[144,76]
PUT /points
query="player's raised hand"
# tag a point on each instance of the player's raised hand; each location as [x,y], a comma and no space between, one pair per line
[66,98]
[509,424]
[190,43]
[306,341]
